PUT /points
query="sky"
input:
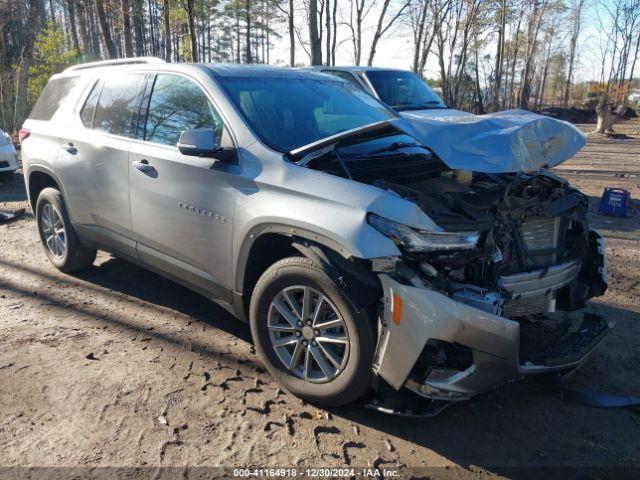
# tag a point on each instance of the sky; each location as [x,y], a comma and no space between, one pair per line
[396,48]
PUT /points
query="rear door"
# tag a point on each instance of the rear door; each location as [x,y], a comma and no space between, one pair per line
[182,206]
[94,160]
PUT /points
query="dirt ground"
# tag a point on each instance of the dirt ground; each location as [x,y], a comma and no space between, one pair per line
[118,367]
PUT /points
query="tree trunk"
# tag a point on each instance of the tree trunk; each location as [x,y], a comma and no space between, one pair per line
[138,27]
[152,28]
[104,28]
[21,107]
[248,32]
[316,47]
[480,104]
[572,52]
[292,36]
[238,37]
[74,25]
[532,37]
[126,26]
[334,40]
[84,30]
[417,47]
[378,33]
[94,32]
[328,30]
[358,39]
[167,30]
[499,53]
[605,118]
[192,31]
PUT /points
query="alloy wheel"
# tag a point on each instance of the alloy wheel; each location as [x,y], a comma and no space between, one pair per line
[54,232]
[308,334]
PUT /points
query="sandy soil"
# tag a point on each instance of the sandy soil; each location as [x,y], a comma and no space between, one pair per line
[119,367]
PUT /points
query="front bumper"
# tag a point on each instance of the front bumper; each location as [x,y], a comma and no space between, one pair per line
[493,342]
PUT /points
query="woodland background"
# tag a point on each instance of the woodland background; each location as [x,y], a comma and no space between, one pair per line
[481,55]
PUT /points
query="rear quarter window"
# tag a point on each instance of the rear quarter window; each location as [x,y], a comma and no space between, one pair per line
[51,98]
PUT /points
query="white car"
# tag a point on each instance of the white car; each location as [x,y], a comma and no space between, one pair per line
[8,157]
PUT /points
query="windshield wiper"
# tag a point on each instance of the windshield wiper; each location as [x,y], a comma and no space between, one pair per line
[419,106]
[332,148]
[393,147]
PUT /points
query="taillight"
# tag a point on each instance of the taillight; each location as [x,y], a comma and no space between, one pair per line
[23,134]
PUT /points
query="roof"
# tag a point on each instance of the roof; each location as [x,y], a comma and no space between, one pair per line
[218,69]
[235,70]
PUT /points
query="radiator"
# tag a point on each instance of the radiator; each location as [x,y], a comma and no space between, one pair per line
[541,234]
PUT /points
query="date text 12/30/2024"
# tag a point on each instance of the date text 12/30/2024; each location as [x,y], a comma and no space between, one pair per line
[315,472]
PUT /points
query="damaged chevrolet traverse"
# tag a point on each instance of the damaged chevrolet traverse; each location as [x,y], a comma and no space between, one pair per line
[359,255]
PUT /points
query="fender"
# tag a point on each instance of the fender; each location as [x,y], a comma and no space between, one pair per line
[356,281]
[286,230]
[37,167]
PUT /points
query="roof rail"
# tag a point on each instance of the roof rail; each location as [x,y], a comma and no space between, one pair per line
[110,63]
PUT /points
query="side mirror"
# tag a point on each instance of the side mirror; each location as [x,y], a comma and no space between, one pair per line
[204,142]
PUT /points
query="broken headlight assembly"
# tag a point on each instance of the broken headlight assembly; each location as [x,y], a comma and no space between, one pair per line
[415,241]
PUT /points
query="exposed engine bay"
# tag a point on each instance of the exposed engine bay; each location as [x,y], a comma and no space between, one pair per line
[532,265]
[533,241]
[533,236]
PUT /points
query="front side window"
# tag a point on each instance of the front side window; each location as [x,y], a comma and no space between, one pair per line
[177,104]
[344,76]
[290,111]
[403,90]
[113,104]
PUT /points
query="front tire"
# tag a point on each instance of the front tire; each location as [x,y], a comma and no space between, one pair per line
[60,242]
[308,334]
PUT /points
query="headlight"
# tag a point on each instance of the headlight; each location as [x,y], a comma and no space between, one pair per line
[4,139]
[412,240]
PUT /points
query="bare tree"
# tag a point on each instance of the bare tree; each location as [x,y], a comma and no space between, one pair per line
[167,29]
[26,58]
[358,11]
[105,30]
[126,27]
[71,7]
[291,29]
[314,37]
[621,22]
[497,72]
[192,30]
[382,27]
[537,11]
[576,17]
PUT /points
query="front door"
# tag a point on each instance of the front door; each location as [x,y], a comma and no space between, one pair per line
[182,206]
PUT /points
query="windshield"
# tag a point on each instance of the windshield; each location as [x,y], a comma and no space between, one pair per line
[292,111]
[403,90]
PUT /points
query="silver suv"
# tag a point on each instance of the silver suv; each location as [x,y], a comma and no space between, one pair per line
[302,205]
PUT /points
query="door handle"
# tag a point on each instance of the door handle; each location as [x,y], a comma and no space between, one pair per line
[143,165]
[70,147]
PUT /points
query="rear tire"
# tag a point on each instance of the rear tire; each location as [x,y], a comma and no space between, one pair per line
[60,242]
[340,356]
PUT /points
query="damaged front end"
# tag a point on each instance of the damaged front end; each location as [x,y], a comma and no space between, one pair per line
[460,320]
[497,291]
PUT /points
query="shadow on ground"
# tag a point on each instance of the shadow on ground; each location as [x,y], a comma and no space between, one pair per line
[512,426]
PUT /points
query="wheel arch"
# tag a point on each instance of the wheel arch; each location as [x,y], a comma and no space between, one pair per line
[268,243]
[38,178]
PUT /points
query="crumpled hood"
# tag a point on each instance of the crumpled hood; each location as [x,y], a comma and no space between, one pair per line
[508,141]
